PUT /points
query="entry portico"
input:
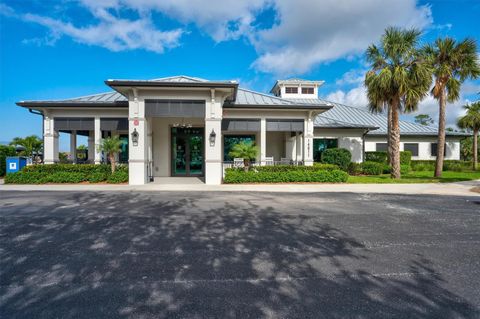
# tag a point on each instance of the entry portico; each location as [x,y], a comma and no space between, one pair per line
[182,126]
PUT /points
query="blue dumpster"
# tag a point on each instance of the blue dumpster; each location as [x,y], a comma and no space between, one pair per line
[15,163]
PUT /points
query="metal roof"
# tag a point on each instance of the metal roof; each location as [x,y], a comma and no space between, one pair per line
[248,97]
[355,115]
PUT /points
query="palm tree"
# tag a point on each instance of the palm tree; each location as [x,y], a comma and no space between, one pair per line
[398,80]
[246,150]
[111,146]
[32,144]
[452,62]
[471,121]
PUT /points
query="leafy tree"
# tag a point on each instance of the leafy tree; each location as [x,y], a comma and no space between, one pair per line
[246,150]
[32,144]
[111,146]
[452,62]
[471,121]
[466,147]
[398,80]
[423,119]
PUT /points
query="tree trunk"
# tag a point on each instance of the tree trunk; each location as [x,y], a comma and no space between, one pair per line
[389,130]
[246,164]
[112,162]
[475,149]
[394,143]
[441,134]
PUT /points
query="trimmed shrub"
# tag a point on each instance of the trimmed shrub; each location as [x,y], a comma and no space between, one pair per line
[404,169]
[120,176]
[378,157]
[405,158]
[448,165]
[236,176]
[354,168]
[68,173]
[372,168]
[289,168]
[97,177]
[337,156]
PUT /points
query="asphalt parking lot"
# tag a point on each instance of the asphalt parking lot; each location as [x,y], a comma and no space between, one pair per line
[238,255]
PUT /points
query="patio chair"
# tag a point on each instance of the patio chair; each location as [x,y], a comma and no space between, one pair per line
[269,161]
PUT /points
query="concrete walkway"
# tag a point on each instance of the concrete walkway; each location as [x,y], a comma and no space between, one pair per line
[457,189]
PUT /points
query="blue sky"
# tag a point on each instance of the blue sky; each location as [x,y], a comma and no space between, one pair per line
[60,49]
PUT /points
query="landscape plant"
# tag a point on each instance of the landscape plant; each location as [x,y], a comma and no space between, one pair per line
[471,121]
[246,150]
[111,146]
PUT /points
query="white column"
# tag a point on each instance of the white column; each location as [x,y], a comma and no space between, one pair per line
[298,147]
[308,141]
[98,141]
[91,146]
[73,146]
[50,147]
[263,140]
[138,154]
[213,150]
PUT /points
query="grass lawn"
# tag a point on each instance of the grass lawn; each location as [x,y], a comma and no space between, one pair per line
[416,177]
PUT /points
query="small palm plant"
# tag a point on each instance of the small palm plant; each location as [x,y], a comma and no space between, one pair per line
[246,150]
[111,146]
[471,121]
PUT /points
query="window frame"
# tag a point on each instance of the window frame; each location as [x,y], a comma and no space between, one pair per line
[294,89]
[318,153]
[308,90]
[377,144]
[434,154]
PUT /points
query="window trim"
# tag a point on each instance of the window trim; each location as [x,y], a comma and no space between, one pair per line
[306,90]
[381,143]
[294,89]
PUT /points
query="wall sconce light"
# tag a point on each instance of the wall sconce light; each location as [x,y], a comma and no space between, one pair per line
[135,137]
[212,138]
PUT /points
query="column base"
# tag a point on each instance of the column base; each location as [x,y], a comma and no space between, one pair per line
[137,173]
[213,173]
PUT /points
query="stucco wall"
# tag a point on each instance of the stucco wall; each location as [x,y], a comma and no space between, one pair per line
[276,145]
[424,146]
[350,139]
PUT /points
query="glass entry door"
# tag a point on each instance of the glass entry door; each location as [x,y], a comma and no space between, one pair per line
[187,151]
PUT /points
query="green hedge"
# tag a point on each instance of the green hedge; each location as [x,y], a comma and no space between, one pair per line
[354,168]
[448,165]
[371,168]
[237,176]
[285,168]
[68,173]
[337,156]
[382,157]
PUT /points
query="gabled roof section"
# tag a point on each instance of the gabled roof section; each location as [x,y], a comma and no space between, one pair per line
[358,116]
[251,99]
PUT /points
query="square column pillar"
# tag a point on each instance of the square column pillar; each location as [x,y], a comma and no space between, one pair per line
[308,141]
[138,154]
[263,140]
[91,146]
[50,138]
[298,147]
[98,141]
[213,151]
[73,147]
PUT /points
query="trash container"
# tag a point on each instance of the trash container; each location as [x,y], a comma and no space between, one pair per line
[15,163]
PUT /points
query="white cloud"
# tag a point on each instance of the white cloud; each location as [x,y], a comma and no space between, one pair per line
[310,32]
[354,97]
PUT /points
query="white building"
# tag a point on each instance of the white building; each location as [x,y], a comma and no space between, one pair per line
[185,126]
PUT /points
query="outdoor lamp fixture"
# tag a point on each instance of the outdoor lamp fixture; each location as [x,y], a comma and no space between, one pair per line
[135,137]
[212,138]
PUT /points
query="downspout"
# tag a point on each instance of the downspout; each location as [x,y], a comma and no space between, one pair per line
[363,143]
[43,128]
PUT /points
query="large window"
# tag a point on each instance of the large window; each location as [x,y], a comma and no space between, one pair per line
[381,147]
[291,90]
[434,150]
[307,90]
[412,147]
[230,140]
[321,144]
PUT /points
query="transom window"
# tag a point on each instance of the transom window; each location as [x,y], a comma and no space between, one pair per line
[412,147]
[291,90]
[307,90]
[321,144]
